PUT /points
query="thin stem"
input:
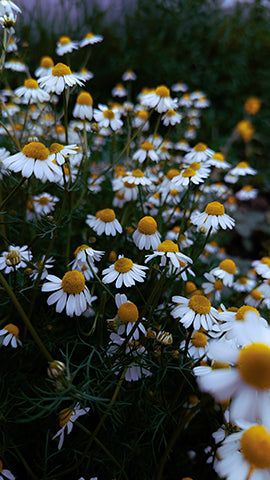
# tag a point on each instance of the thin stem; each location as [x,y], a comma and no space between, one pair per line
[14,190]
[65,103]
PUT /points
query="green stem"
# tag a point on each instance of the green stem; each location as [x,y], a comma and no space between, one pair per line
[65,103]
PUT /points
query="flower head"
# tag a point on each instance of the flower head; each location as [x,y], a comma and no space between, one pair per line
[59,79]
[124,271]
[104,221]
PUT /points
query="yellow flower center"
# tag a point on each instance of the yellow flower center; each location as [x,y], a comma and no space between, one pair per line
[228,266]
[143,115]
[81,248]
[200,147]
[241,312]
[162,91]
[36,150]
[84,98]
[60,69]
[242,165]
[168,246]
[255,447]
[266,261]
[137,173]
[89,35]
[56,147]
[30,83]
[248,188]
[215,208]
[10,328]
[108,114]
[59,129]
[123,265]
[43,200]
[46,62]
[195,165]
[147,146]
[64,40]
[199,304]
[188,172]
[129,185]
[218,285]
[256,295]
[106,215]
[170,113]
[73,282]
[128,312]
[190,287]
[199,339]
[219,156]
[147,226]
[242,280]
[174,192]
[216,365]
[64,416]
[254,365]
[173,172]
[13,258]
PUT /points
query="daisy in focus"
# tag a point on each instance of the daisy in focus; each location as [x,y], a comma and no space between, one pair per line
[104,221]
[195,173]
[146,235]
[196,311]
[69,293]
[107,117]
[9,334]
[83,108]
[169,253]
[59,79]
[59,152]
[128,314]
[86,255]
[214,217]
[67,417]
[31,93]
[15,258]
[124,272]
[225,271]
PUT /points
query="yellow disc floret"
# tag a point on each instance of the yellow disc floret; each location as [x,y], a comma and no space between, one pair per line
[199,304]
[173,172]
[81,248]
[84,98]
[106,215]
[254,365]
[10,328]
[147,225]
[215,208]
[241,312]
[60,69]
[219,156]
[228,266]
[199,340]
[31,83]
[64,40]
[73,282]
[64,416]
[255,447]
[137,173]
[123,265]
[56,147]
[162,91]
[168,246]
[200,147]
[46,62]
[188,172]
[42,200]
[36,150]
[128,312]
[109,114]
[266,261]
[147,146]
[13,258]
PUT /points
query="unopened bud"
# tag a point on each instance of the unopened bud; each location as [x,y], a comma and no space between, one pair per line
[56,369]
[165,338]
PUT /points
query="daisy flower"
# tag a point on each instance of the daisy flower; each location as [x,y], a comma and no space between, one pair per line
[84,74]
[84,106]
[140,119]
[4,473]
[137,177]
[198,346]
[14,258]
[119,90]
[214,217]
[8,21]
[146,150]
[146,235]
[262,267]
[104,221]
[213,286]
[15,65]
[247,193]
[107,117]
[70,292]
[182,145]
[243,169]
[159,99]
[8,7]
[128,314]
[34,159]
[11,46]
[43,204]
[196,311]
[67,417]
[254,298]
[40,265]
[65,45]
[129,75]
[195,173]
[171,117]
[90,38]
[85,254]
[45,67]
[31,93]
[218,161]
[245,454]
[135,355]
[59,152]
[225,271]
[185,100]
[60,78]
[124,271]
[244,284]
[10,334]
[199,153]
[179,87]
[169,253]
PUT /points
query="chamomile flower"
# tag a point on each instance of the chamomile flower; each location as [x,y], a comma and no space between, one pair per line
[34,159]
[179,87]
[4,473]
[59,79]
[129,75]
[124,271]
[169,253]
[9,334]
[196,311]
[15,258]
[65,45]
[145,151]
[195,173]
[128,314]
[245,454]
[243,169]
[135,353]
[84,74]
[254,298]
[85,254]
[199,153]
[198,346]
[107,117]
[225,271]
[218,161]
[119,91]
[159,99]
[8,7]
[171,117]
[31,93]
[182,145]
[40,265]
[137,177]
[262,267]
[70,292]
[90,38]
[84,106]
[247,193]
[243,374]
[140,119]
[213,286]
[45,67]
[244,284]
[43,204]
[104,221]
[59,152]
[185,100]
[15,65]
[214,217]
[146,235]
[67,417]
